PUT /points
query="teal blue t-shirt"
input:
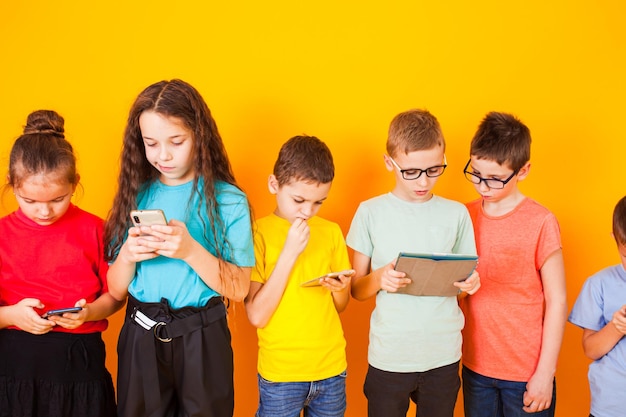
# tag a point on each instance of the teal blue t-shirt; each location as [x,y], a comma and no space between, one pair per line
[174,279]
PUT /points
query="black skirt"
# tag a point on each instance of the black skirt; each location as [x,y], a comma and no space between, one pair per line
[54,375]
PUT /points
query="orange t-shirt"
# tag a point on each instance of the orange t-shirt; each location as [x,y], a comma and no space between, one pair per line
[504,319]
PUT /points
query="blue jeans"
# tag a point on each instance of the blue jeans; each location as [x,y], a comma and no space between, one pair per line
[324,398]
[490,397]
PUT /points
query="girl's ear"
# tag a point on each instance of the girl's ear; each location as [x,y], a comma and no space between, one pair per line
[272,184]
[77,181]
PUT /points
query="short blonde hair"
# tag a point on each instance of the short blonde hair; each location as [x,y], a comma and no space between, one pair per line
[414,130]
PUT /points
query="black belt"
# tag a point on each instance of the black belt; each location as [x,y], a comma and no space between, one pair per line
[169,324]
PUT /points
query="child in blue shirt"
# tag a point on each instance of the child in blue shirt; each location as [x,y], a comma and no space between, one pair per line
[600,311]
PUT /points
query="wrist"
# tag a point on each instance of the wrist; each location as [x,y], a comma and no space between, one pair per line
[545,372]
[615,327]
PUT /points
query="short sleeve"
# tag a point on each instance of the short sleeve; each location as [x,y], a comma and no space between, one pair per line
[259,273]
[588,310]
[340,260]
[549,240]
[237,222]
[358,237]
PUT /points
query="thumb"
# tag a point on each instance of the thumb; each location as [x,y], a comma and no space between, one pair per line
[80,303]
[32,302]
[178,223]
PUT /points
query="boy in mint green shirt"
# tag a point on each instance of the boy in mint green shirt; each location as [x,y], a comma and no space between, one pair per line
[415,341]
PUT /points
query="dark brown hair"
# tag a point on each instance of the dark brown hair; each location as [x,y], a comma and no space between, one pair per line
[179,99]
[619,222]
[304,158]
[503,138]
[414,130]
[42,149]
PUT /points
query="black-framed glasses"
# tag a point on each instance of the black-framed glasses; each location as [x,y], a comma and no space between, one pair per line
[415,173]
[492,183]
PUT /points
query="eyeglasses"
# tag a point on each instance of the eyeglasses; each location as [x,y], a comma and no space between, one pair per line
[492,183]
[415,173]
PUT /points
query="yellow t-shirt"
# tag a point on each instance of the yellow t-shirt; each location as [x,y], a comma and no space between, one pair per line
[303,341]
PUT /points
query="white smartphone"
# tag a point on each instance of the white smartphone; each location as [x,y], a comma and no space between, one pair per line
[148,217]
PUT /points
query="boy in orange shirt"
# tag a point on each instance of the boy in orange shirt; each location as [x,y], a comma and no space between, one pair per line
[515,323]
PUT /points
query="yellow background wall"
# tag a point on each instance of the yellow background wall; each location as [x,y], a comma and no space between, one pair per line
[341,70]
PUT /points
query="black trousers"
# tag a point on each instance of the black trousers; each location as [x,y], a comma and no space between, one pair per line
[181,367]
[434,391]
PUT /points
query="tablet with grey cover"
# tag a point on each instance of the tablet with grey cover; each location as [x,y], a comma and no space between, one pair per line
[434,273]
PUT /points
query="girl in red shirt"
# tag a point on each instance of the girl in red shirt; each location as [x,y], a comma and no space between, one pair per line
[51,258]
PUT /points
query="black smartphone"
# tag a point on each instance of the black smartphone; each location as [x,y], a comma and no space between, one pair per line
[60,311]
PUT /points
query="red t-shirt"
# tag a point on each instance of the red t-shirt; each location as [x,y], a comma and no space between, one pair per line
[504,318]
[58,264]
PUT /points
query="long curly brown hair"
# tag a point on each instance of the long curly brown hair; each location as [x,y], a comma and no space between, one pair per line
[174,98]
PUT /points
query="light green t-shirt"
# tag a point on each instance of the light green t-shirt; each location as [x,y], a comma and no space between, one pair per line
[303,341]
[410,333]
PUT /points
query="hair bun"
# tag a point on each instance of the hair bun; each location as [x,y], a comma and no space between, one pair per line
[45,122]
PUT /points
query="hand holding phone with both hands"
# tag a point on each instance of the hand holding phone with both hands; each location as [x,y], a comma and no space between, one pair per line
[60,311]
[69,317]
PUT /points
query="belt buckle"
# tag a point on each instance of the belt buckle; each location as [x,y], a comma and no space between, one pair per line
[155,329]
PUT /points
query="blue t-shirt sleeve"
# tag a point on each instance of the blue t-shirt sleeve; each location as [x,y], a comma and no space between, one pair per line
[588,310]
[235,213]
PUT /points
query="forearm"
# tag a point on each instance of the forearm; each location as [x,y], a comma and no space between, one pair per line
[597,344]
[227,279]
[341,299]
[119,277]
[265,298]
[555,317]
[5,317]
[553,329]
[103,307]
[366,286]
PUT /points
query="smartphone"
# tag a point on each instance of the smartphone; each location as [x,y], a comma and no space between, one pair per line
[148,217]
[347,273]
[60,311]
[316,281]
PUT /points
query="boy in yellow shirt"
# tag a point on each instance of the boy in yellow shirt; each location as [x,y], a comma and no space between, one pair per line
[302,360]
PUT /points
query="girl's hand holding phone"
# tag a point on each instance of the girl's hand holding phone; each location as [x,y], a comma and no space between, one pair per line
[135,248]
[24,316]
[172,241]
[71,320]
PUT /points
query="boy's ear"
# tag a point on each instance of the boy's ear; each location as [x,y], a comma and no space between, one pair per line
[388,163]
[523,172]
[272,184]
